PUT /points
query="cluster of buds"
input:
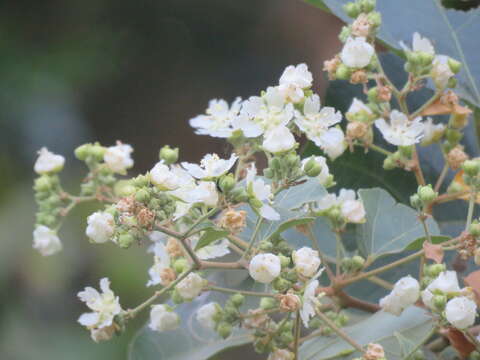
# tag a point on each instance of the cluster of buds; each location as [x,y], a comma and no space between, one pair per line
[471,172]
[423,198]
[352,265]
[284,168]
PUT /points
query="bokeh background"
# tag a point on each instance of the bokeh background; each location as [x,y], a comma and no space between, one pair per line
[79,71]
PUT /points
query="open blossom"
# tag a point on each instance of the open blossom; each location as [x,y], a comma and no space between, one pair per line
[214,250]
[211,166]
[46,241]
[446,282]
[310,302]
[324,177]
[351,209]
[357,52]
[279,140]
[317,122]
[206,315]
[206,193]
[293,80]
[264,268]
[401,131]
[358,106]
[432,132]
[100,227]
[118,158]
[405,293]
[158,271]
[268,111]
[461,312]
[105,306]
[423,44]
[190,287]
[48,162]
[262,192]
[163,177]
[441,71]
[218,118]
[163,319]
[306,261]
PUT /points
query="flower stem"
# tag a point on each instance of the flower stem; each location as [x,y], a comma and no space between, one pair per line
[254,236]
[298,325]
[471,205]
[236,291]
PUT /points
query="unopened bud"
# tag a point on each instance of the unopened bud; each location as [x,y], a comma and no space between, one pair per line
[268,303]
[226,183]
[471,167]
[312,168]
[375,18]
[237,300]
[425,59]
[97,151]
[43,183]
[142,195]
[180,265]
[474,229]
[439,301]
[389,163]
[224,329]
[357,262]
[82,152]
[454,65]
[476,256]
[284,260]
[281,284]
[351,9]
[343,72]
[168,155]
[239,195]
[426,194]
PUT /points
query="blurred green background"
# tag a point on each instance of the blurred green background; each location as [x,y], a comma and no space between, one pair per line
[78,71]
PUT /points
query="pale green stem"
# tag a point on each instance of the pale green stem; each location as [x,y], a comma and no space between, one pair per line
[254,237]
[441,177]
[471,205]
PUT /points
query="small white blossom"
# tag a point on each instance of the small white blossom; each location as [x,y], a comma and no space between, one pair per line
[441,71]
[317,122]
[351,209]
[401,131]
[105,306]
[461,312]
[279,140]
[306,261]
[161,261]
[281,354]
[211,166]
[118,158]
[214,250]
[432,131]
[405,293]
[218,119]
[163,178]
[324,177]
[357,52]
[100,227]
[446,282]
[163,319]
[422,44]
[190,287]
[310,302]
[257,188]
[206,315]
[48,162]
[293,81]
[46,241]
[264,268]
[206,193]
[358,106]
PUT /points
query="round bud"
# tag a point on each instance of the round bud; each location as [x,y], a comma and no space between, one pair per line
[453,136]
[454,65]
[124,188]
[141,181]
[474,229]
[471,167]
[418,355]
[415,201]
[275,164]
[414,58]
[83,151]
[125,240]
[375,18]
[406,151]
[342,72]
[425,59]
[334,213]
[168,155]
[345,33]
[142,195]
[373,94]
[176,297]
[226,183]
[476,256]
[454,187]
[426,194]
[97,151]
[268,303]
[266,246]
[255,203]
[342,319]
[435,270]
[351,9]
[357,262]
[281,285]
[239,195]
[284,261]
[286,337]
[43,183]
[292,160]
[268,173]
[346,264]
[312,167]
[389,163]
[224,329]
[368,5]
[180,265]
[237,300]
[439,302]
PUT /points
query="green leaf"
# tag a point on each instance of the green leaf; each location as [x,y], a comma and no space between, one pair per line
[418,243]
[390,226]
[209,236]
[296,196]
[450,31]
[413,324]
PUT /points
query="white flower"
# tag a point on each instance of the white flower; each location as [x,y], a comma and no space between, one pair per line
[48,162]
[423,44]
[211,166]
[324,177]
[247,126]
[268,111]
[279,140]
[306,261]
[163,178]
[432,132]
[405,293]
[100,227]
[162,319]
[358,106]
[293,80]
[105,306]
[206,315]
[161,261]
[446,282]
[118,158]
[357,52]
[317,125]
[461,312]
[261,192]
[218,119]
[310,302]
[264,268]
[441,71]
[46,241]
[191,286]
[351,209]
[206,193]
[214,250]
[401,131]
[281,354]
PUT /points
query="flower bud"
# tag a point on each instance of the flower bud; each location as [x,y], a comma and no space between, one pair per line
[351,9]
[375,18]
[266,246]
[237,300]
[239,195]
[265,268]
[389,163]
[471,167]
[163,319]
[406,151]
[284,261]
[176,297]
[125,240]
[454,65]
[453,136]
[224,329]
[97,151]
[268,303]
[357,262]
[142,195]
[426,194]
[83,151]
[168,155]
[425,58]
[226,183]
[343,72]
[452,82]
[43,183]
[191,286]
[439,302]
[312,167]
[346,264]
[281,284]
[435,270]
[180,265]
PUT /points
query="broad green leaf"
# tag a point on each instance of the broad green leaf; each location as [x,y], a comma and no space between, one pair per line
[450,31]
[418,243]
[209,236]
[413,324]
[390,226]
[295,196]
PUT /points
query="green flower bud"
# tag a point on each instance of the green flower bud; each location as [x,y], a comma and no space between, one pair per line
[389,163]
[168,155]
[375,18]
[452,83]
[286,337]
[351,9]
[426,194]
[275,164]
[176,297]
[281,285]
[454,187]
[357,262]
[226,183]
[439,302]
[239,195]
[312,168]
[43,183]
[345,33]
[97,151]
[255,203]
[284,261]
[125,240]
[266,246]
[142,195]
[454,65]
[334,213]
[435,269]
[453,136]
[124,188]
[180,265]
[418,355]
[83,151]
[368,5]
[346,264]
[237,300]
[406,151]
[268,173]
[373,94]
[290,275]
[415,201]
[414,58]
[342,72]
[327,331]
[224,329]
[268,303]
[342,319]
[425,59]
[471,167]
[140,181]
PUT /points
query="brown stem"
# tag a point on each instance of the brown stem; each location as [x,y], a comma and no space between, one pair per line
[350,301]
